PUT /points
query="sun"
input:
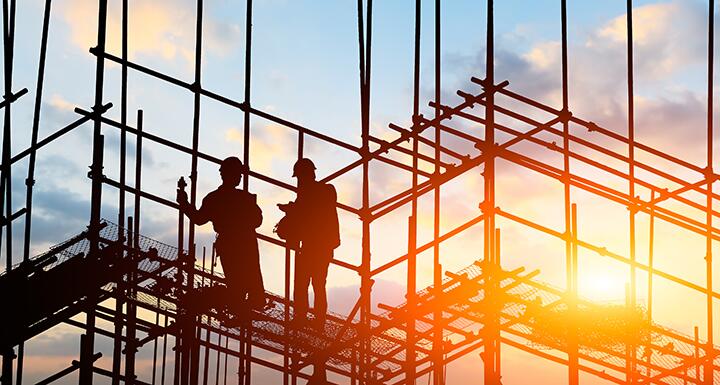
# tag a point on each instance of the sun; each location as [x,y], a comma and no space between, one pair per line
[602,286]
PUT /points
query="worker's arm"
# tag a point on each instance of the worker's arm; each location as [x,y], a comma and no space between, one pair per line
[256,217]
[198,217]
[332,194]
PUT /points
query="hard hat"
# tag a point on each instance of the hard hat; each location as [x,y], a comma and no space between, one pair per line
[232,164]
[301,165]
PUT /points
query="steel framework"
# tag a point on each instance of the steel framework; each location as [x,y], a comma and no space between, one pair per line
[156,294]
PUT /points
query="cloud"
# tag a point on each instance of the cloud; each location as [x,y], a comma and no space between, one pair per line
[543,55]
[270,145]
[157,28]
[234,135]
[666,36]
[59,212]
[341,299]
[669,47]
[58,102]
[670,112]
[222,38]
[58,111]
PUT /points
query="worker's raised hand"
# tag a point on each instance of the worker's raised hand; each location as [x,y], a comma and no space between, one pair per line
[181,198]
[285,207]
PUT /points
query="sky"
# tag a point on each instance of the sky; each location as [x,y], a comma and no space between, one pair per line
[305,70]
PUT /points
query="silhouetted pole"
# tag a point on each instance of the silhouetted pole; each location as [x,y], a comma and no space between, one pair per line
[491,332]
[30,181]
[709,372]
[630,359]
[134,243]
[438,364]
[364,39]
[190,349]
[571,268]
[410,355]
[248,73]
[119,308]
[179,278]
[130,333]
[88,342]
[247,328]
[120,287]
[6,174]
[573,361]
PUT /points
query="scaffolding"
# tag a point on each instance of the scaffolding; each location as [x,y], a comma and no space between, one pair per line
[161,294]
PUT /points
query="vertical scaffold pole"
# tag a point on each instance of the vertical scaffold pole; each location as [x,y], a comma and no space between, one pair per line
[571,269]
[364,217]
[438,362]
[574,374]
[123,113]
[5,177]
[86,360]
[364,40]
[248,72]
[491,331]
[30,181]
[651,258]
[117,344]
[630,354]
[709,371]
[190,348]
[208,331]
[497,308]
[179,277]
[130,331]
[247,328]
[412,221]
[135,245]
[6,174]
[8,356]
[367,372]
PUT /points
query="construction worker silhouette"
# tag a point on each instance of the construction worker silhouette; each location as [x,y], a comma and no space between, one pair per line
[315,226]
[235,215]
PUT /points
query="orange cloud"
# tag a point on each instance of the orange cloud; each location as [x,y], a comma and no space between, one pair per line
[155,27]
[268,144]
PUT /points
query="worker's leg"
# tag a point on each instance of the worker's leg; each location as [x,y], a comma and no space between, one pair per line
[237,290]
[302,282]
[256,289]
[319,280]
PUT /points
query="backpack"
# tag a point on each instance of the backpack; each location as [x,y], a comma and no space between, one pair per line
[293,227]
[287,228]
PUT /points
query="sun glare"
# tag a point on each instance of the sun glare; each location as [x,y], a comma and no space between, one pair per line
[602,286]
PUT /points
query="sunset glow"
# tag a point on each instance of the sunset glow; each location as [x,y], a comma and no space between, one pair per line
[381,192]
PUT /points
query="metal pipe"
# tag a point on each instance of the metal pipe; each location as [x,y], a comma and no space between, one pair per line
[438,365]
[630,358]
[709,372]
[5,175]
[410,355]
[490,353]
[30,181]
[248,72]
